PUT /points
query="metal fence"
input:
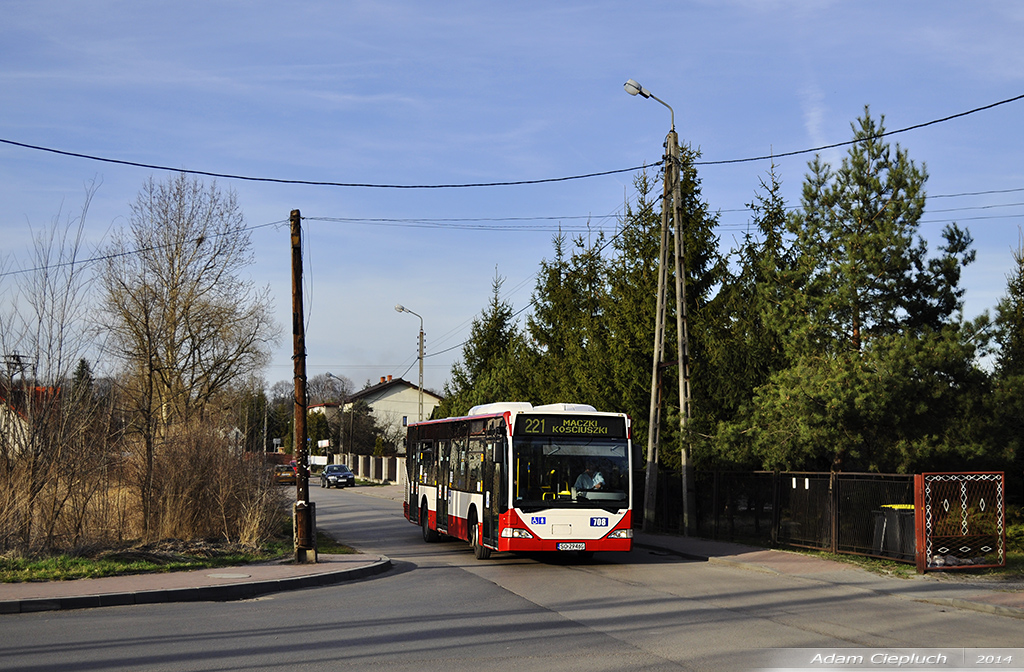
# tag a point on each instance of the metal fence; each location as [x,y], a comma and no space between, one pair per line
[964,520]
[863,514]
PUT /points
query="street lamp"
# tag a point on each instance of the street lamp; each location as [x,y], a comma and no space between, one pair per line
[633,87]
[402,309]
[671,201]
[341,420]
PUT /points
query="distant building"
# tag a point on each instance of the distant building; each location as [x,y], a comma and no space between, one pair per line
[394,402]
[13,430]
[16,408]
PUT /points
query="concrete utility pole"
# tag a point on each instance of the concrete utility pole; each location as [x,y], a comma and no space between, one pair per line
[682,340]
[304,515]
[654,418]
[402,309]
[671,206]
[341,413]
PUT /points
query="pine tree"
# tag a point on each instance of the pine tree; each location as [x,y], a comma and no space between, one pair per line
[631,298]
[82,381]
[863,268]
[1010,320]
[568,325]
[491,368]
[881,367]
[745,340]
[1007,399]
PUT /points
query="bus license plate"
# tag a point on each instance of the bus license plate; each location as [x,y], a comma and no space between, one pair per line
[572,546]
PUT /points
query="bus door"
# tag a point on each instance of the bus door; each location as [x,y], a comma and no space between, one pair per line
[494,457]
[424,472]
[444,481]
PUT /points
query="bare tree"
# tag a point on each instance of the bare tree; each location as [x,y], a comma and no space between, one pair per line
[43,335]
[326,388]
[182,320]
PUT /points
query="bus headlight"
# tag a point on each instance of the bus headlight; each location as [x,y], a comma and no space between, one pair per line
[621,534]
[516,533]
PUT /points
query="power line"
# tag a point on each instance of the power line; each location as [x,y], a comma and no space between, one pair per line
[974,207]
[455,223]
[532,301]
[978,193]
[314,183]
[612,238]
[322,183]
[853,142]
[464,224]
[126,253]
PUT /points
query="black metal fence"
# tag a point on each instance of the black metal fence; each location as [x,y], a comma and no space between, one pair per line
[864,514]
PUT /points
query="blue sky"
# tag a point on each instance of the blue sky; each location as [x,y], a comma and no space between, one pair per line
[450,93]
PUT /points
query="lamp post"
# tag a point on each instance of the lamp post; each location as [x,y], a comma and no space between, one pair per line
[341,411]
[671,202]
[402,309]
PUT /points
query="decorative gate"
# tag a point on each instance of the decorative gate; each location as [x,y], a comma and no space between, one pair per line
[964,520]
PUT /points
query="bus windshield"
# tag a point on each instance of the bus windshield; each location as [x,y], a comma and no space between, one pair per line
[552,472]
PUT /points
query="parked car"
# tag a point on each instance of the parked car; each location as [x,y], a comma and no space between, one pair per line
[337,475]
[284,474]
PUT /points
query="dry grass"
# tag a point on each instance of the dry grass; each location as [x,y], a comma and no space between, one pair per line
[202,490]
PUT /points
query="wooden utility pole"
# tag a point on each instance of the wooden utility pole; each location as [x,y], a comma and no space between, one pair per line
[304,515]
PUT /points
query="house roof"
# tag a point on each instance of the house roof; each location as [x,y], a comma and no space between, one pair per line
[375,392]
[16,398]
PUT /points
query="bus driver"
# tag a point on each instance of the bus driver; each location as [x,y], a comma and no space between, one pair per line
[591,479]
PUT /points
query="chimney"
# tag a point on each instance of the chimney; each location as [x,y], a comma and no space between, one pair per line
[389,378]
[382,380]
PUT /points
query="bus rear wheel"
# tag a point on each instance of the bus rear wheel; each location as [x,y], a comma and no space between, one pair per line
[480,551]
[429,535]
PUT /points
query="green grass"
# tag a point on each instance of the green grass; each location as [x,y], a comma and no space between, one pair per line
[67,567]
[326,544]
[875,565]
[1014,568]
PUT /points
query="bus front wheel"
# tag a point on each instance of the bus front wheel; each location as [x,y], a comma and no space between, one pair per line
[480,551]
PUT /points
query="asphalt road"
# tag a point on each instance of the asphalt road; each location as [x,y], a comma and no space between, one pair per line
[441,608]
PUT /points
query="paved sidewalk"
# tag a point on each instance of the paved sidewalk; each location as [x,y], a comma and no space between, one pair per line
[960,591]
[225,583]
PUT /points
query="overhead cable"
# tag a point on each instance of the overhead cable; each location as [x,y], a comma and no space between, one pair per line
[322,183]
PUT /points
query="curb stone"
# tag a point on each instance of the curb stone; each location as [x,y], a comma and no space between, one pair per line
[218,593]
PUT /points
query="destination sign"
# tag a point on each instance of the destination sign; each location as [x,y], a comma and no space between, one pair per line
[532,424]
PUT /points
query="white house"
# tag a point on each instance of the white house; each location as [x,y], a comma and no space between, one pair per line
[15,411]
[394,402]
[13,430]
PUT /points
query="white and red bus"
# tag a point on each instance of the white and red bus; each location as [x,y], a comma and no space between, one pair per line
[517,477]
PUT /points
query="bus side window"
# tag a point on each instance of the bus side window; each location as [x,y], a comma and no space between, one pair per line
[458,466]
[425,457]
[439,466]
[476,458]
